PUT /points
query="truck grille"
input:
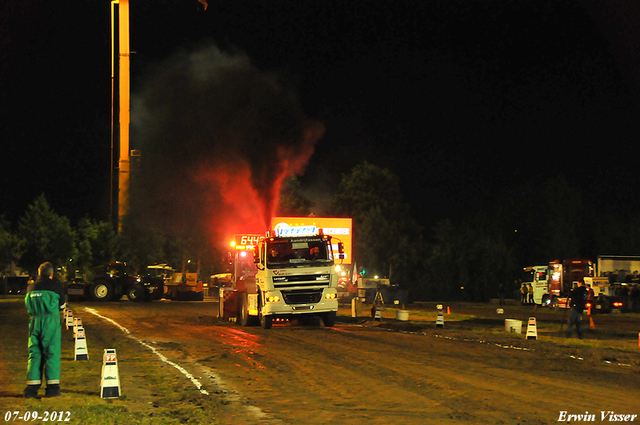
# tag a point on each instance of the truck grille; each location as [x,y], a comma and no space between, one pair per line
[322,279]
[302,296]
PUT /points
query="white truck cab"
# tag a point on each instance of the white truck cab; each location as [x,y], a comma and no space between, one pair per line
[295,276]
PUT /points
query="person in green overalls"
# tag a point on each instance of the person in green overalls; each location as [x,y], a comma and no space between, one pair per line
[45,298]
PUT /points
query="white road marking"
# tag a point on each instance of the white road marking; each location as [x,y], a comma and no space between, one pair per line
[162,357]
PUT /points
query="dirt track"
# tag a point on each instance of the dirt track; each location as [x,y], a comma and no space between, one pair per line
[361,372]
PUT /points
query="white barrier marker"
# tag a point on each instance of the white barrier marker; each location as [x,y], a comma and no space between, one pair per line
[532,331]
[110,379]
[81,352]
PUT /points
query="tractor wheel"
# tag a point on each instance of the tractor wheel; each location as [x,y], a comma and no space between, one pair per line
[136,293]
[102,290]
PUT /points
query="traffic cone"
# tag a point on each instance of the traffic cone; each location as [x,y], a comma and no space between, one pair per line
[592,325]
[448,310]
[532,331]
[69,319]
[110,379]
[377,313]
[81,352]
[440,320]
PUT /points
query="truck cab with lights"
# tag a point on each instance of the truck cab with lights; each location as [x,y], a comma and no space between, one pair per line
[296,276]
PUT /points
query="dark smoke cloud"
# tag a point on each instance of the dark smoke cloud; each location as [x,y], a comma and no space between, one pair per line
[217,137]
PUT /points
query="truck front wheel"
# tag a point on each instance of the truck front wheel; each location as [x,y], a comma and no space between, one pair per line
[101,290]
[329,319]
[266,321]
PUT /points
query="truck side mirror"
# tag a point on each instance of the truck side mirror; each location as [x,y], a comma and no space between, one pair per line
[256,254]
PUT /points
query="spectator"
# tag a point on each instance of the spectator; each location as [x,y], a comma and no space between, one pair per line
[523,294]
[501,294]
[578,297]
[45,298]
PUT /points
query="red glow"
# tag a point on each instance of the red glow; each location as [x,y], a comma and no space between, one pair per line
[244,197]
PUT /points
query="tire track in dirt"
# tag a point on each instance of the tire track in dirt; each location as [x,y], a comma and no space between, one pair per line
[364,374]
[237,409]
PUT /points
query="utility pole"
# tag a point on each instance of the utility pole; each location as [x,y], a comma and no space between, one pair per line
[124,60]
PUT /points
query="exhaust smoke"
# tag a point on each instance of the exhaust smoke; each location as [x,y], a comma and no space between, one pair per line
[217,137]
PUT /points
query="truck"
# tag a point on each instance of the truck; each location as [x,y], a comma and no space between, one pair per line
[293,276]
[552,283]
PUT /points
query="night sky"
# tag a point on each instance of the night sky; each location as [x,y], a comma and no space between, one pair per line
[460,98]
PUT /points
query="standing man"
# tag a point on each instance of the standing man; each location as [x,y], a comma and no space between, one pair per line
[45,298]
[578,297]
[501,294]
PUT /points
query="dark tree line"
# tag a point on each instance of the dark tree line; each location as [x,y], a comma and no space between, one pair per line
[463,259]
[466,259]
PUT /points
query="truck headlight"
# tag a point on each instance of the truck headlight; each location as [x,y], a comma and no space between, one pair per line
[273,299]
[330,295]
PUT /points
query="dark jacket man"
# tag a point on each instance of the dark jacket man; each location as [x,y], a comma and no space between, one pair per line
[579,297]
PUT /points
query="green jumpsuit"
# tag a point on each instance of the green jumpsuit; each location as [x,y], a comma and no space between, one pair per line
[44,303]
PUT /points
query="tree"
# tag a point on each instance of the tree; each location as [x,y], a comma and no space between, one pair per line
[385,234]
[293,202]
[48,237]
[95,244]
[141,245]
[10,245]
[467,263]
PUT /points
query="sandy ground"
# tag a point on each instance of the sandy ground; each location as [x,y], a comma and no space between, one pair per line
[381,372]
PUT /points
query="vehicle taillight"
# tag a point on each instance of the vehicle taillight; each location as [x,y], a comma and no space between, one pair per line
[617,304]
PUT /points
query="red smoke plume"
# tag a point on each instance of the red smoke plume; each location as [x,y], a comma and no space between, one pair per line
[218,137]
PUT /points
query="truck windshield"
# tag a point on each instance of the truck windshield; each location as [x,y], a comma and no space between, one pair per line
[297,252]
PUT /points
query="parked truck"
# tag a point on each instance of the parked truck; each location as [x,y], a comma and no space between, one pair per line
[293,276]
[552,283]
